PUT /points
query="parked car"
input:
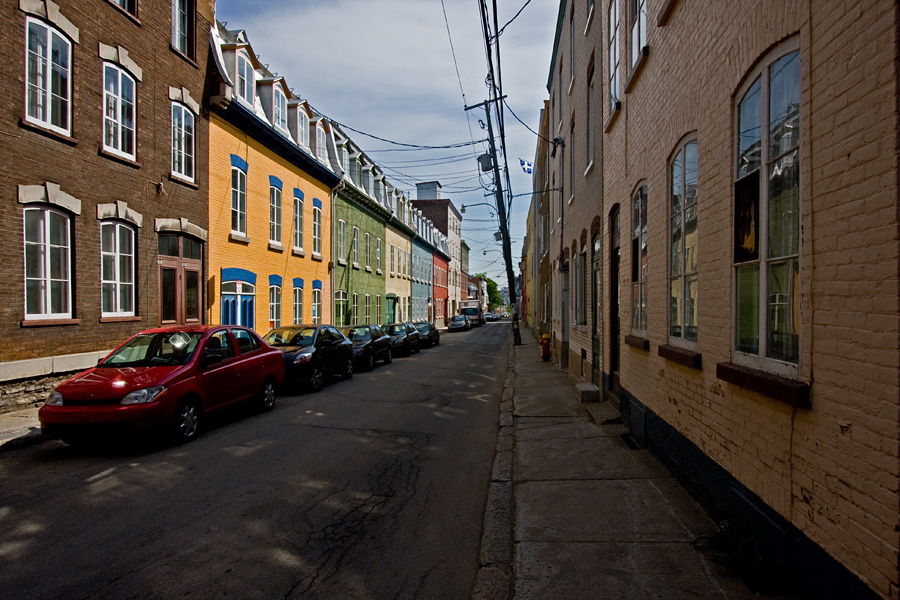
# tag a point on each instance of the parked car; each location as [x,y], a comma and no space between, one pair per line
[312,353]
[404,338]
[428,334]
[491,317]
[370,344]
[170,378]
[459,323]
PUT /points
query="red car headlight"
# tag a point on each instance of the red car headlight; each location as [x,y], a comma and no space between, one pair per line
[143,396]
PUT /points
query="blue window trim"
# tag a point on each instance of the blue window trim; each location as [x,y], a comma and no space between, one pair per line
[298,282]
[317,203]
[275,280]
[275,182]
[298,193]
[236,274]
[240,163]
[317,284]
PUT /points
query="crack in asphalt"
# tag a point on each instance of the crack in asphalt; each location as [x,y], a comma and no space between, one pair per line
[326,540]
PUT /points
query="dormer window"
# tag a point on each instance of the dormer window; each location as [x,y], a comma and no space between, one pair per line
[321,151]
[279,105]
[303,127]
[345,159]
[245,78]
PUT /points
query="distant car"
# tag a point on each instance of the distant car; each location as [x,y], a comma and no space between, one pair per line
[491,317]
[459,323]
[370,344]
[168,377]
[428,334]
[312,353]
[404,338]
[504,315]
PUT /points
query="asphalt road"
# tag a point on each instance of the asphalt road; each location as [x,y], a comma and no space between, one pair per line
[374,488]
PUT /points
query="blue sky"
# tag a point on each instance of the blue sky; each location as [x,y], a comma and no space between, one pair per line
[386,68]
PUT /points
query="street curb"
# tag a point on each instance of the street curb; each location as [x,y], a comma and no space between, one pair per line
[29,439]
[495,577]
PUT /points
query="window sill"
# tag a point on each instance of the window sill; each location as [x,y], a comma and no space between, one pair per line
[368,269]
[686,358]
[341,262]
[379,272]
[317,257]
[641,343]
[183,181]
[590,19]
[613,117]
[130,319]
[298,252]
[119,159]
[275,246]
[589,168]
[571,85]
[184,56]
[790,391]
[637,68]
[662,17]
[49,322]
[237,237]
[60,137]
[356,266]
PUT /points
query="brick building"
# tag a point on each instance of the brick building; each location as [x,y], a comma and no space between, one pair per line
[271,175]
[723,259]
[103,176]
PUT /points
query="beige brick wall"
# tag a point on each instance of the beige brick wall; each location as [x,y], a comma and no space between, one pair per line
[831,470]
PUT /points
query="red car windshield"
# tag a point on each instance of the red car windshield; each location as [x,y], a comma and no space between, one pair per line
[154,349]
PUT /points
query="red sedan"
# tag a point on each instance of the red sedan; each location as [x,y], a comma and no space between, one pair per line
[170,377]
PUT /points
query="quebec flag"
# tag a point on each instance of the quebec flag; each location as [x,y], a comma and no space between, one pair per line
[526,166]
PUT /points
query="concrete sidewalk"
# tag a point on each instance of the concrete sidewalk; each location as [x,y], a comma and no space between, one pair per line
[19,428]
[574,512]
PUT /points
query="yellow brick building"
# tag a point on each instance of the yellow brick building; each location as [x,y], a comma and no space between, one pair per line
[270,206]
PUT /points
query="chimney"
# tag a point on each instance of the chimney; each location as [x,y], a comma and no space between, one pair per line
[430,190]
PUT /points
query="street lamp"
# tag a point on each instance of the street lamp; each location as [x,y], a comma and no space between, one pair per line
[463,208]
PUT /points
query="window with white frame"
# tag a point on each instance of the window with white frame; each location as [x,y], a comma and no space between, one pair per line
[48,86]
[279,108]
[638,12]
[345,159]
[117,269]
[639,260]
[392,260]
[303,127]
[378,244]
[613,54]
[245,79]
[589,115]
[238,201]
[683,208]
[340,308]
[767,196]
[182,21]
[48,264]
[354,246]
[317,230]
[354,315]
[119,94]
[275,214]
[368,309]
[342,241]
[378,309]
[581,289]
[182,141]
[298,222]
[298,305]
[368,251]
[572,45]
[274,306]
[317,306]
[321,149]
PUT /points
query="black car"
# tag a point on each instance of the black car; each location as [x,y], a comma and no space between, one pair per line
[404,338]
[428,335]
[312,353]
[370,343]
[459,323]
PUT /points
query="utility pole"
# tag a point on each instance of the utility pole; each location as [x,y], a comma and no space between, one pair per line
[501,213]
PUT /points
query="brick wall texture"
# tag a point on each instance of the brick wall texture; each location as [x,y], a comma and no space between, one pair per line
[831,470]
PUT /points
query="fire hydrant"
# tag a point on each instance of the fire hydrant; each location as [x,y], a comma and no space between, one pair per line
[545,347]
